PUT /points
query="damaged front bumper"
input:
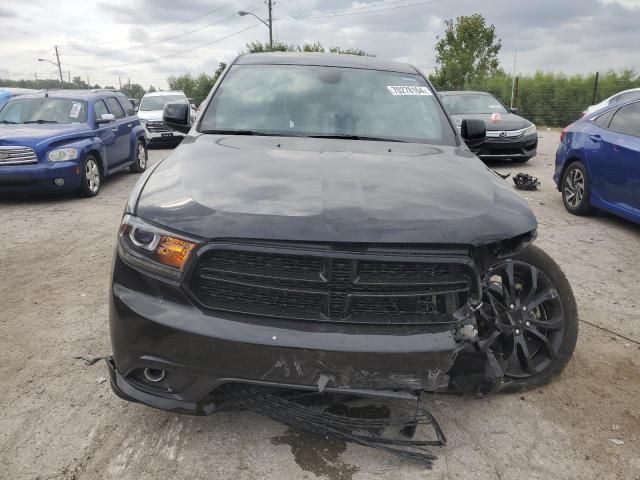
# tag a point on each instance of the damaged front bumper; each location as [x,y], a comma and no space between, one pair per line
[156,328]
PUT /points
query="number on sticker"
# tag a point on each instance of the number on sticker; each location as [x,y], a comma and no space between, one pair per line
[408,90]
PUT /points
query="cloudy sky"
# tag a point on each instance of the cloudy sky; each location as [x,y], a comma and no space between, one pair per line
[147,40]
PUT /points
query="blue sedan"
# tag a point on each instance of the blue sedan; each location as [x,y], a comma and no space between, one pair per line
[68,141]
[598,162]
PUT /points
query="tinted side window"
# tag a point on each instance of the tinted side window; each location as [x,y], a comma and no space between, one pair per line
[614,100]
[99,108]
[127,105]
[627,120]
[628,96]
[114,107]
[604,119]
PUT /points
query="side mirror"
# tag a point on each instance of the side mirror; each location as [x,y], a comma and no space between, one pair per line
[473,129]
[513,110]
[105,118]
[177,117]
[136,108]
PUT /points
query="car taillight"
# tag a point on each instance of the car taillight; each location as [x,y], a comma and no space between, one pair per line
[563,135]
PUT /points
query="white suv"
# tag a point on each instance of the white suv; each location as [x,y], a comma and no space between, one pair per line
[150,115]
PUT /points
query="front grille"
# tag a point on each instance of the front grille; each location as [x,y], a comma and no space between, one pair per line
[158,127]
[324,284]
[10,155]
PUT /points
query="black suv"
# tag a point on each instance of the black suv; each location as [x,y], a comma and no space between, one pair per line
[323,227]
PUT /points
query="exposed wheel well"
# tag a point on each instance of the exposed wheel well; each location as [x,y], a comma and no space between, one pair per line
[96,154]
[564,169]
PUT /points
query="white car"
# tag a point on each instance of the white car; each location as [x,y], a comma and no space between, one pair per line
[150,115]
[619,97]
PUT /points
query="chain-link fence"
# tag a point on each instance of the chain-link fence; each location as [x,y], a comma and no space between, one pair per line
[554,100]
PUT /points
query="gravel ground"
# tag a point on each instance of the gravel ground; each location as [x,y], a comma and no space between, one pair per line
[59,418]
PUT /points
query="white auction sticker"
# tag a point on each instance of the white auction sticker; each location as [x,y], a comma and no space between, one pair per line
[408,90]
[75,110]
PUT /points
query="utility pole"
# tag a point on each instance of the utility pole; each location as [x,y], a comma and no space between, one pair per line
[69,77]
[119,84]
[59,67]
[270,25]
[513,78]
[35,75]
[595,89]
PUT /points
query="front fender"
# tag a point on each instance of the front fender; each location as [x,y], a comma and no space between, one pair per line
[84,146]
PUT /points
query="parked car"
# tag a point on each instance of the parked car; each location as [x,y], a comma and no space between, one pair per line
[323,227]
[598,162]
[617,99]
[150,115]
[508,135]
[68,140]
[8,92]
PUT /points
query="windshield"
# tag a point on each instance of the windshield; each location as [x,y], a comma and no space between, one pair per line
[44,110]
[472,103]
[158,102]
[294,100]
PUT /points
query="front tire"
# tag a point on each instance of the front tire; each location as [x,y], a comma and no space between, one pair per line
[91,177]
[576,192]
[529,319]
[141,158]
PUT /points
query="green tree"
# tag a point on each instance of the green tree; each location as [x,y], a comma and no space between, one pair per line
[196,88]
[151,89]
[135,90]
[259,47]
[466,52]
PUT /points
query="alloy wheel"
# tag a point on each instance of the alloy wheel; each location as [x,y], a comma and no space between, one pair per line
[142,156]
[522,318]
[92,175]
[574,187]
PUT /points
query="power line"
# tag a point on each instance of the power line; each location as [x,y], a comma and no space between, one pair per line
[160,40]
[204,14]
[355,10]
[176,54]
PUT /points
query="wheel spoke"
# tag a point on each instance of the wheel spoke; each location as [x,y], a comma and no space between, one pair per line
[528,364]
[556,324]
[544,341]
[548,293]
[511,284]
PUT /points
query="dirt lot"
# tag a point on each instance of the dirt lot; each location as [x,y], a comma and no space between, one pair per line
[59,418]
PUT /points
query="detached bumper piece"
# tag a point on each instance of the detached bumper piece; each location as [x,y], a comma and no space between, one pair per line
[371,432]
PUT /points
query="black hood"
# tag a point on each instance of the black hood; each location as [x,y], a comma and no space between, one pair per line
[508,121]
[323,190]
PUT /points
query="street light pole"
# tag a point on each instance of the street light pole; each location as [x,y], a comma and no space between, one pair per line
[269,24]
[56,64]
[270,27]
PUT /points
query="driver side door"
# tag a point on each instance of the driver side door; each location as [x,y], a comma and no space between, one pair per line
[106,133]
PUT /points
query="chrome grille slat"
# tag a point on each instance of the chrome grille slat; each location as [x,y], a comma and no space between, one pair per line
[12,155]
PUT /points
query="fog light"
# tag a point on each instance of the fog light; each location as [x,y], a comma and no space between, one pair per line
[59,182]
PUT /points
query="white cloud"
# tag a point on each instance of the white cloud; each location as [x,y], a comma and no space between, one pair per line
[118,38]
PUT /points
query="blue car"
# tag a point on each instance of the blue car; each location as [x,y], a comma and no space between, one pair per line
[8,92]
[68,141]
[598,162]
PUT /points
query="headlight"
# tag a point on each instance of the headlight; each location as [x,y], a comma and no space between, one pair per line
[63,154]
[154,249]
[530,130]
[143,121]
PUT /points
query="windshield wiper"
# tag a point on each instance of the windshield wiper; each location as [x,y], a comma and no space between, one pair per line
[40,121]
[356,137]
[8,121]
[241,132]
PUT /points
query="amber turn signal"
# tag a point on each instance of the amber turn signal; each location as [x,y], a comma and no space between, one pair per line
[173,251]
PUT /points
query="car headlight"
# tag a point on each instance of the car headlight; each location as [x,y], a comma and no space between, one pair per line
[63,154]
[153,248]
[531,130]
[143,121]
